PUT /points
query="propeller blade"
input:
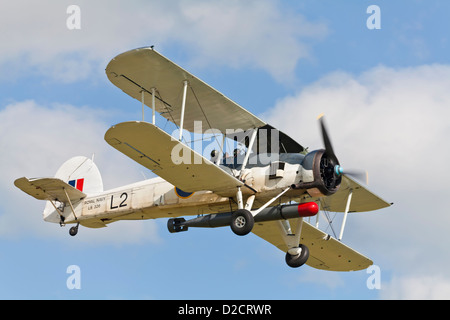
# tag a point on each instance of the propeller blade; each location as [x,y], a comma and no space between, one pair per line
[326,141]
[338,170]
[358,175]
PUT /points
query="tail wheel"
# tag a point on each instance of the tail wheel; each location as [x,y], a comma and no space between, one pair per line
[242,222]
[298,260]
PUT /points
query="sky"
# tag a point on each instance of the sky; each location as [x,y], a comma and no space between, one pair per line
[384,91]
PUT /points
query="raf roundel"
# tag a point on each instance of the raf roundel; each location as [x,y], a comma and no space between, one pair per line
[183,195]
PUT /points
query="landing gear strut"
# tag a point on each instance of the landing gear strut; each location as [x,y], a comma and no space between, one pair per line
[242,220]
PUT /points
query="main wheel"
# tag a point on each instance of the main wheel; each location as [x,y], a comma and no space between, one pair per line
[298,260]
[242,222]
[73,231]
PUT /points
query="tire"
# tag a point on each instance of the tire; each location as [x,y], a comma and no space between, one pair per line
[242,222]
[299,260]
[73,231]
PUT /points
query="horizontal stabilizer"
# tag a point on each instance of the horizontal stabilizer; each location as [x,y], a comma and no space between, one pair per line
[49,189]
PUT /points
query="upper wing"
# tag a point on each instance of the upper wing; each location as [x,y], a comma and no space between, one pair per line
[170,159]
[49,189]
[140,70]
[325,252]
[362,199]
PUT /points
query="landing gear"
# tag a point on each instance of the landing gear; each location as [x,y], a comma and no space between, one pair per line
[74,230]
[242,222]
[61,221]
[295,261]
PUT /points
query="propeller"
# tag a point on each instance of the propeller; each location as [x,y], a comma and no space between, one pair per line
[358,175]
[333,164]
[326,140]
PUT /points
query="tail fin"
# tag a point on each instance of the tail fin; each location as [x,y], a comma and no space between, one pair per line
[81,173]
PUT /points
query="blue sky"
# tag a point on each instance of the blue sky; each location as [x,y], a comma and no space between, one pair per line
[385,94]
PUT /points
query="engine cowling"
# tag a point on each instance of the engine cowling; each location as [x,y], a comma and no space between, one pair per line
[321,175]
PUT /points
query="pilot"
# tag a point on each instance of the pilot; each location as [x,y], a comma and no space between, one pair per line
[214,156]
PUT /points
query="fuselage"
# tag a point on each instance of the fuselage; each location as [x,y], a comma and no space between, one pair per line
[156,198]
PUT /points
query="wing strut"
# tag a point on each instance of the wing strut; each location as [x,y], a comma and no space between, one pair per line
[347,208]
[153,107]
[143,91]
[183,106]
[143,103]
[249,149]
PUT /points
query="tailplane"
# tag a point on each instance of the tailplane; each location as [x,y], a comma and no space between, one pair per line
[82,174]
[74,180]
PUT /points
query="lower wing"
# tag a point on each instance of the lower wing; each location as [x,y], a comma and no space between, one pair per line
[325,252]
[170,159]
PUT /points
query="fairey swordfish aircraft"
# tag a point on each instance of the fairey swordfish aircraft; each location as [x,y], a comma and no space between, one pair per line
[269,184]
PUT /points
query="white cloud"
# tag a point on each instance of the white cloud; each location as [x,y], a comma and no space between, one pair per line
[36,140]
[329,280]
[393,123]
[386,119]
[258,34]
[429,287]
[249,33]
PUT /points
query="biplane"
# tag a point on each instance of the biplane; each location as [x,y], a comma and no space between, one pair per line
[266,183]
